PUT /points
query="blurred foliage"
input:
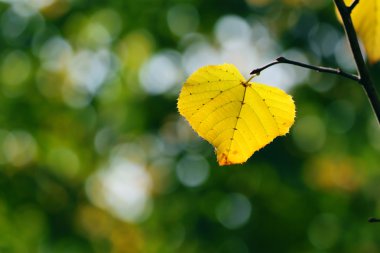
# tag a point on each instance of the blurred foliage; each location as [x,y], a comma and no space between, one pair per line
[95,158]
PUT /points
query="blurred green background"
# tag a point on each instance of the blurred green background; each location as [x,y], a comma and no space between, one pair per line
[95,158]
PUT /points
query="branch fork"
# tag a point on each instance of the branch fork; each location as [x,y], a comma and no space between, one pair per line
[362,77]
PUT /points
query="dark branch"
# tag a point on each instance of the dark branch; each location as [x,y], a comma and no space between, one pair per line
[364,76]
[258,70]
[373,220]
[353,4]
[279,60]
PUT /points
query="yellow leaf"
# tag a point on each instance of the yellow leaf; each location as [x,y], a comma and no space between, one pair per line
[366,19]
[237,117]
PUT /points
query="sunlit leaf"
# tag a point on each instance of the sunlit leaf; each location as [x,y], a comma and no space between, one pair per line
[366,19]
[236,116]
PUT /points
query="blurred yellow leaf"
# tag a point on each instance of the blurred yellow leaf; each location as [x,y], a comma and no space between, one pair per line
[333,172]
[366,19]
[236,116]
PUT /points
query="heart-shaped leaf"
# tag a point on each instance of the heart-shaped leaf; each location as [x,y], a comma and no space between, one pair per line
[237,117]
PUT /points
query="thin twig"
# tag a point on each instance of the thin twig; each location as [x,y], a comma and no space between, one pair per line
[373,220]
[364,76]
[338,72]
[353,4]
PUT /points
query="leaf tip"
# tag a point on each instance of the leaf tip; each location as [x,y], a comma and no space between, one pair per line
[223,159]
[228,158]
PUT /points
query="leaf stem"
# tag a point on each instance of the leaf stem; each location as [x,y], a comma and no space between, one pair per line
[364,77]
[250,78]
[308,66]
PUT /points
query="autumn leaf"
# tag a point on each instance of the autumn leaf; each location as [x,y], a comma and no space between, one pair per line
[366,19]
[236,116]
